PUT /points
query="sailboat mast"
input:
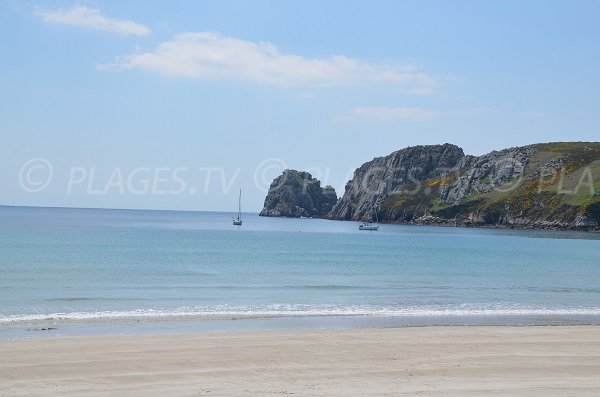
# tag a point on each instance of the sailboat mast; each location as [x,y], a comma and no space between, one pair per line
[240,205]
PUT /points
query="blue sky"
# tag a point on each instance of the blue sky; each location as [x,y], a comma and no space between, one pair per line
[199,99]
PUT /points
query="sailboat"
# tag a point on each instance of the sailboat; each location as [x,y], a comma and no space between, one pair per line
[238,221]
[370,225]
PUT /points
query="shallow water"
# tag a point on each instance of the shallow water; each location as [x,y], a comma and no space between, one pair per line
[70,267]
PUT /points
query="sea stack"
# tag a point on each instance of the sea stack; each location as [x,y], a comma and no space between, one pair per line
[296,194]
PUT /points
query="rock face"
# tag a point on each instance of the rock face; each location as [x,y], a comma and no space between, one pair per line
[399,172]
[555,185]
[297,194]
[486,173]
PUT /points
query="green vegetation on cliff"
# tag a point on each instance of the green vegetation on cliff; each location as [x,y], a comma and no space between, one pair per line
[552,185]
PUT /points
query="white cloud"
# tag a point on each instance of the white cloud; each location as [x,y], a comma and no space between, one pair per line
[211,56]
[386,114]
[91,18]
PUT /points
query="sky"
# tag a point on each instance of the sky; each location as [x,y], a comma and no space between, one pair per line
[178,105]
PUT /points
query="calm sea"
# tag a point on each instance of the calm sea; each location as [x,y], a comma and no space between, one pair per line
[114,271]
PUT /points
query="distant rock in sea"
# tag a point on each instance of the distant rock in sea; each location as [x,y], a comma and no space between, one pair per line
[297,194]
[541,186]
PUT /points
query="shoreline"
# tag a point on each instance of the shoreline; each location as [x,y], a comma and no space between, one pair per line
[437,361]
[440,222]
[468,225]
[179,325]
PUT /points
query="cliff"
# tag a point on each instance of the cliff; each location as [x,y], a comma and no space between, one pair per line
[400,172]
[554,185]
[297,194]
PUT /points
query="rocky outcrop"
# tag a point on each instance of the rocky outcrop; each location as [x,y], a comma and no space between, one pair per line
[485,173]
[297,194]
[542,186]
[400,172]
[538,186]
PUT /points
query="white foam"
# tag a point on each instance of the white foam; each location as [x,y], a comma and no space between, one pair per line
[247,312]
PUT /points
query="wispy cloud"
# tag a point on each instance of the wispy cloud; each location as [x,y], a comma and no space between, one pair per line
[212,56]
[91,18]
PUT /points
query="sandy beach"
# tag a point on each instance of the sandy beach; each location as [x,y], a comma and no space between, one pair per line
[429,361]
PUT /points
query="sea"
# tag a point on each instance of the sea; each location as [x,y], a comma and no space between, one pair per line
[70,271]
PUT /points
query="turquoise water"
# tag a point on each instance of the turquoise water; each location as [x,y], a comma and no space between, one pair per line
[65,266]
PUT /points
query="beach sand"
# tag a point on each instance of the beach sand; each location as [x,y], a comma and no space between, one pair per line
[429,361]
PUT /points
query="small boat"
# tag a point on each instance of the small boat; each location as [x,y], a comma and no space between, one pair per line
[238,221]
[370,225]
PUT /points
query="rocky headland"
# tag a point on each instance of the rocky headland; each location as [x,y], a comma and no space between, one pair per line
[541,186]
